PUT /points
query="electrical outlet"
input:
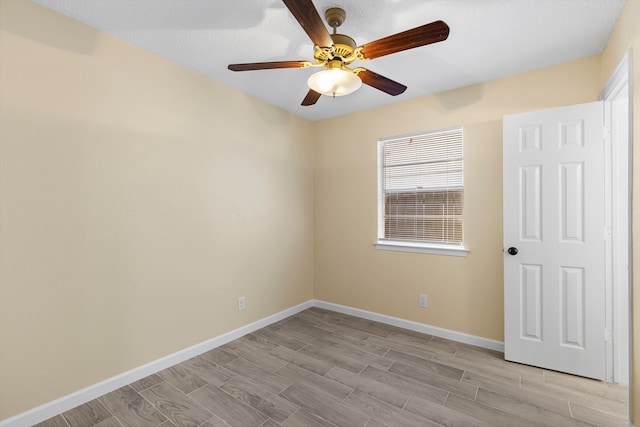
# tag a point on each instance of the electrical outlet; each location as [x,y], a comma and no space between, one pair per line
[240,303]
[422,300]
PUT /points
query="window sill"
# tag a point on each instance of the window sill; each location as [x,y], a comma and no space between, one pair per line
[421,248]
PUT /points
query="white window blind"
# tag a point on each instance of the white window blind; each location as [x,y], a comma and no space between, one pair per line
[421,188]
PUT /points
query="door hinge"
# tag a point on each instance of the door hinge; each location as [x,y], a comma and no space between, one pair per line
[607,335]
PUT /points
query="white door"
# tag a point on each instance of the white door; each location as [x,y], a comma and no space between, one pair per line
[554,286]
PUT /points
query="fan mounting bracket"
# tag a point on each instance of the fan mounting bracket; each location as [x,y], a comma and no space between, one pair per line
[335,16]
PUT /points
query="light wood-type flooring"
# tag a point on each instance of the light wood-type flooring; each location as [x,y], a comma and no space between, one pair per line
[319,368]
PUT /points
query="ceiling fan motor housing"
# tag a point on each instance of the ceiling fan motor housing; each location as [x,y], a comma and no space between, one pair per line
[344,49]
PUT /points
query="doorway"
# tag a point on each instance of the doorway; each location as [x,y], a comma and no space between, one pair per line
[617,156]
[617,100]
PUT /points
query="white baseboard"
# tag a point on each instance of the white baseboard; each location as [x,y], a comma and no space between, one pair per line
[70,401]
[414,326]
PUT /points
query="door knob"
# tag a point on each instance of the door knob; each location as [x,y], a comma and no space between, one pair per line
[512,251]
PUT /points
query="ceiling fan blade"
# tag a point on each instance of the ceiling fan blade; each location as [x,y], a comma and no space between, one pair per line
[268,65]
[311,98]
[309,19]
[382,83]
[434,32]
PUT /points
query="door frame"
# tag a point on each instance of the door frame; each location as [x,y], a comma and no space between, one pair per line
[618,232]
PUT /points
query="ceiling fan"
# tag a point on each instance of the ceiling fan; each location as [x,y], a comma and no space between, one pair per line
[335,52]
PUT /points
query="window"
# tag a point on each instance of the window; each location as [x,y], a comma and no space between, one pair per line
[420,192]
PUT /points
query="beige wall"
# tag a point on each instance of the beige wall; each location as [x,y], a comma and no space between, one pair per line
[465,293]
[627,35]
[138,200]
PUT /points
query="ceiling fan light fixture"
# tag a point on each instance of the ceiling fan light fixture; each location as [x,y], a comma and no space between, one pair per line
[336,52]
[334,82]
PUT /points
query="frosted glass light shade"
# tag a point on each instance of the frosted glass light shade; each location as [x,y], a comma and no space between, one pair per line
[334,82]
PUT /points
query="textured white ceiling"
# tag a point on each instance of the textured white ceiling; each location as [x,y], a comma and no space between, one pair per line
[489,39]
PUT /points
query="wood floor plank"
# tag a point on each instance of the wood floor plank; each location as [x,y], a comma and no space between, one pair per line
[575,396]
[260,342]
[384,412]
[335,358]
[305,327]
[531,373]
[360,344]
[57,421]
[253,353]
[328,315]
[588,386]
[322,384]
[487,414]
[233,411]
[370,386]
[376,423]
[619,392]
[113,422]
[271,423]
[371,327]
[434,379]
[257,342]
[146,382]
[271,381]
[342,329]
[182,378]
[410,337]
[219,355]
[280,339]
[258,397]
[357,353]
[316,318]
[448,346]
[215,421]
[596,417]
[494,372]
[527,410]
[427,391]
[131,408]
[303,418]
[88,414]
[441,414]
[319,341]
[321,405]
[419,362]
[403,347]
[549,402]
[208,370]
[306,332]
[176,406]
[308,362]
[585,385]
[427,343]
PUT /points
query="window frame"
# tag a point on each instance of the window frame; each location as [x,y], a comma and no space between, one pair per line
[382,243]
